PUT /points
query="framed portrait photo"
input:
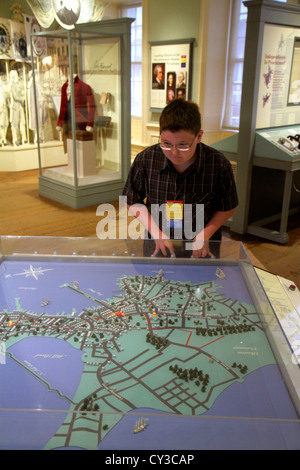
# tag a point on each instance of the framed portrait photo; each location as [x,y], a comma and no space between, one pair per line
[171,72]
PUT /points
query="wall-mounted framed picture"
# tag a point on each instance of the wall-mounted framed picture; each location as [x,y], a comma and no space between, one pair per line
[171,72]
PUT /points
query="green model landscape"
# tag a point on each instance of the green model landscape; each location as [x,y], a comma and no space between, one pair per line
[159,344]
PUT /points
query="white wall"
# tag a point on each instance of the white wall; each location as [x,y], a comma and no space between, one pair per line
[208,69]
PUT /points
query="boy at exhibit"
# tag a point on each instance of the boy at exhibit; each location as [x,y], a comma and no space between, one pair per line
[186,177]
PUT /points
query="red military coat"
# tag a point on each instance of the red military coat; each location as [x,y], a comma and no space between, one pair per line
[85,106]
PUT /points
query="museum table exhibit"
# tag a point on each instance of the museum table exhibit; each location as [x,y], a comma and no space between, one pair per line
[103,348]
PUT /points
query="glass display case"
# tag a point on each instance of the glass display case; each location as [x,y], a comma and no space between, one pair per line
[270,110]
[279,143]
[104,348]
[83,77]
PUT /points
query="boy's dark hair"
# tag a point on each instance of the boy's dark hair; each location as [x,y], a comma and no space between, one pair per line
[180,115]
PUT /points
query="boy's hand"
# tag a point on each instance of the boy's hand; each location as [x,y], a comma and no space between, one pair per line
[164,246]
[201,249]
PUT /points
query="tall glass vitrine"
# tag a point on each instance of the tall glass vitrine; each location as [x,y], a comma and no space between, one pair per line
[81,99]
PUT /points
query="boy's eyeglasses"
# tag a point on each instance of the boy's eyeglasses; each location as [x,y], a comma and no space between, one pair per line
[180,147]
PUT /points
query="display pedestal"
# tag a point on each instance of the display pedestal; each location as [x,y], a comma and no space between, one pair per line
[86,157]
[277,169]
[25,157]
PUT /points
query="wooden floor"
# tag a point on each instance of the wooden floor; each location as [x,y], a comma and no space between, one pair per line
[24,212]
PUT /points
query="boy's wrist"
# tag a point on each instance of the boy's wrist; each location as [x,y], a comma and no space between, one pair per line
[159,235]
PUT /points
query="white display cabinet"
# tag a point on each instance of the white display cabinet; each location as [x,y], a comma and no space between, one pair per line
[85,75]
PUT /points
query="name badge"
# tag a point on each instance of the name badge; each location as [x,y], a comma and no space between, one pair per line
[174,214]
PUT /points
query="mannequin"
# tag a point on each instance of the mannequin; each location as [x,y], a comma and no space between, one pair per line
[32,124]
[17,114]
[85,106]
[3,114]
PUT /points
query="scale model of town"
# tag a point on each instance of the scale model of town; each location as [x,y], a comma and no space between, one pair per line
[158,343]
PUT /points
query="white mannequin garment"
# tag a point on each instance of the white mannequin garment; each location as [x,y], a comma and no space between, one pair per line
[17,114]
[32,124]
[3,113]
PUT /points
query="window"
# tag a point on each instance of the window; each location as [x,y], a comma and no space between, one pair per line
[235,62]
[235,65]
[135,11]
